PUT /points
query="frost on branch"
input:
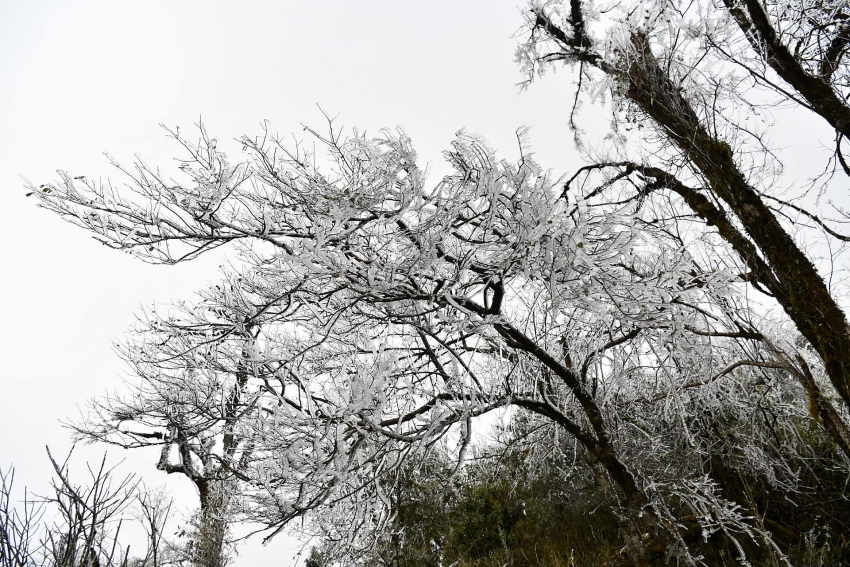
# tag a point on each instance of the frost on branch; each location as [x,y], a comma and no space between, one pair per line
[374,317]
[661,308]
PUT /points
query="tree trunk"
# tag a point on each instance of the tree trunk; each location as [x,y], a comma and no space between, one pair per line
[790,276]
[209,530]
[646,539]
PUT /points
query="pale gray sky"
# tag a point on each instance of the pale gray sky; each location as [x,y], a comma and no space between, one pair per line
[84,77]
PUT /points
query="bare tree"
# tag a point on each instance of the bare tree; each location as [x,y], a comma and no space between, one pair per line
[17,524]
[153,510]
[80,525]
[88,527]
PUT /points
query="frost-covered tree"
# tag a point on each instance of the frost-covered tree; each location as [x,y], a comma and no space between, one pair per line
[188,401]
[374,315]
[371,315]
[691,76]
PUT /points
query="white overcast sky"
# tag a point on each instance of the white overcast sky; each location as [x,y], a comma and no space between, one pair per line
[80,78]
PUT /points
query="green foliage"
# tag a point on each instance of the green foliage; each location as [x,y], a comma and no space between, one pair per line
[499,510]
[530,500]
